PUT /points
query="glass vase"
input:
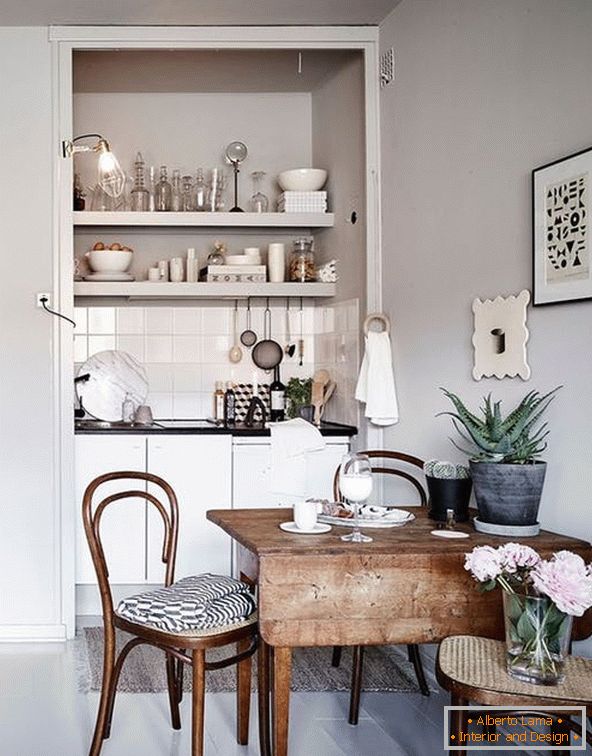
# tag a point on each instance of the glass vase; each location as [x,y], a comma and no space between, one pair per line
[537,639]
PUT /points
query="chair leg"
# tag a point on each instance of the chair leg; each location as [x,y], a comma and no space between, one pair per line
[356,684]
[173,691]
[415,659]
[106,686]
[336,657]
[180,671]
[263,683]
[198,702]
[457,724]
[243,693]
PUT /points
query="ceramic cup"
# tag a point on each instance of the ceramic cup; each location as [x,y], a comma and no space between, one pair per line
[176,269]
[305,514]
[163,267]
[154,274]
[276,262]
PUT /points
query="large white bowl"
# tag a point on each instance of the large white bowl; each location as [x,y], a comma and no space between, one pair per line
[109,260]
[302,179]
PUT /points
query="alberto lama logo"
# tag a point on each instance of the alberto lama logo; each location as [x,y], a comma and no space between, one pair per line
[487,727]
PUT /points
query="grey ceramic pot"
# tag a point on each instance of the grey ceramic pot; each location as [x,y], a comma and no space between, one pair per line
[508,494]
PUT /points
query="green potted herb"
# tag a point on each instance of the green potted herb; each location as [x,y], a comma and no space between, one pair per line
[504,452]
[298,394]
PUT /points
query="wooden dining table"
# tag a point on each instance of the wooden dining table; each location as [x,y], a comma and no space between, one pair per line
[406,586]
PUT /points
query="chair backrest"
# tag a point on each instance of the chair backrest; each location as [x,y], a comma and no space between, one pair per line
[390,469]
[92,514]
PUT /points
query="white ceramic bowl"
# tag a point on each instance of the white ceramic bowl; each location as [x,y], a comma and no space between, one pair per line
[302,179]
[242,259]
[109,260]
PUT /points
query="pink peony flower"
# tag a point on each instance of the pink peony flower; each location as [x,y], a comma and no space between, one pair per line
[484,563]
[566,580]
[516,556]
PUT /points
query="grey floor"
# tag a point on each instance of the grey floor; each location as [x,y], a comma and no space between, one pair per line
[43,714]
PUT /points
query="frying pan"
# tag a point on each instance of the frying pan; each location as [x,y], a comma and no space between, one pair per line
[267,353]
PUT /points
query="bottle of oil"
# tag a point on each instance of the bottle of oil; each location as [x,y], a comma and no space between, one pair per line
[219,402]
[229,405]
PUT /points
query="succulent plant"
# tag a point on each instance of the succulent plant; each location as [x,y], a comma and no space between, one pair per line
[437,468]
[515,439]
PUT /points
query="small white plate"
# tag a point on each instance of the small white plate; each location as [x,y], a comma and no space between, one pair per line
[290,527]
[449,533]
[109,277]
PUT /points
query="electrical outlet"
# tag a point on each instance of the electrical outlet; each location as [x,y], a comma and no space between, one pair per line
[43,295]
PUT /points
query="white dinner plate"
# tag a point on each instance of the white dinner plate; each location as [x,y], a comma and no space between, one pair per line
[449,533]
[290,527]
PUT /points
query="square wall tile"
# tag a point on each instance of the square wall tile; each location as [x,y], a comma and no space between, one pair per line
[80,348]
[212,373]
[187,378]
[133,345]
[187,320]
[186,349]
[159,349]
[160,378]
[101,320]
[187,405]
[215,349]
[218,320]
[81,319]
[162,405]
[130,320]
[100,344]
[159,320]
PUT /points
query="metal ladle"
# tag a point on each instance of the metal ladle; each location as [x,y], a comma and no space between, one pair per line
[236,353]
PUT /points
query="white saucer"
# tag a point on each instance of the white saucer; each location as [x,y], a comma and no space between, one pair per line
[290,527]
[109,277]
[449,533]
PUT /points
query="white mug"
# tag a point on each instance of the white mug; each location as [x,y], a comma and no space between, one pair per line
[305,514]
[154,274]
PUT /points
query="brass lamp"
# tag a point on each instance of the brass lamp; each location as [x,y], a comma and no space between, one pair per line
[111,177]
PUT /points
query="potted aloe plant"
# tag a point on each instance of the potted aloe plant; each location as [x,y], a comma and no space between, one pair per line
[507,474]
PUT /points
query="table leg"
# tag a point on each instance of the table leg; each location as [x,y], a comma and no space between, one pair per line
[263,668]
[282,676]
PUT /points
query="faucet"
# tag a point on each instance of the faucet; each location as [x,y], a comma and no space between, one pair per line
[250,416]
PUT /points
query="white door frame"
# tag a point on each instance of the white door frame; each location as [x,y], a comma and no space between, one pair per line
[66,39]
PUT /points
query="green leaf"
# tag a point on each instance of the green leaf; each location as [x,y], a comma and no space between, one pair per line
[525,627]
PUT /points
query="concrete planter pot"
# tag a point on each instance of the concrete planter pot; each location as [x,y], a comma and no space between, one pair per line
[508,494]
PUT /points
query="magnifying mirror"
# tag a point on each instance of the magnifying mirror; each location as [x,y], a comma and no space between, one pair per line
[236,153]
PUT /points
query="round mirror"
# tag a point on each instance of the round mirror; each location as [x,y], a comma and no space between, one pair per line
[236,152]
[112,376]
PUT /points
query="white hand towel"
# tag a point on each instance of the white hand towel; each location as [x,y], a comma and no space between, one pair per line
[291,442]
[376,382]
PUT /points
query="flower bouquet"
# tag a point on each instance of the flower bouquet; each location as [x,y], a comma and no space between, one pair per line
[541,597]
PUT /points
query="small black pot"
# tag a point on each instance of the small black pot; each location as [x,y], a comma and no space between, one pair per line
[508,494]
[449,493]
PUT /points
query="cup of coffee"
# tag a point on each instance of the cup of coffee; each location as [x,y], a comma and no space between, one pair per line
[305,514]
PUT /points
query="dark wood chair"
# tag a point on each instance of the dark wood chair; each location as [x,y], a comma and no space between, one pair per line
[188,647]
[383,467]
[473,670]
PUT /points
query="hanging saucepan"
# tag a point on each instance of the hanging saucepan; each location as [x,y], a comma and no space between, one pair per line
[267,353]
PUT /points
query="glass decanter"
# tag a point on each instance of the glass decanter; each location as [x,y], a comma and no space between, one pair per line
[163,193]
[140,196]
[200,192]
[259,202]
[176,192]
[187,196]
[220,199]
[355,484]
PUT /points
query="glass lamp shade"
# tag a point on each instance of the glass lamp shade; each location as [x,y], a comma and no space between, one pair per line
[111,176]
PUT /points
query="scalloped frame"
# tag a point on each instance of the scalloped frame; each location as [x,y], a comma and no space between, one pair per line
[500,336]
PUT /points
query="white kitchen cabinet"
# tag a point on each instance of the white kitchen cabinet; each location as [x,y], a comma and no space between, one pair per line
[123,522]
[198,467]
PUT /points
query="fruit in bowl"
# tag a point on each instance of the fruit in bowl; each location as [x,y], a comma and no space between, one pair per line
[302,179]
[115,258]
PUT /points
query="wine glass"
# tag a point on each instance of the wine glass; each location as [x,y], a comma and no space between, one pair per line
[355,484]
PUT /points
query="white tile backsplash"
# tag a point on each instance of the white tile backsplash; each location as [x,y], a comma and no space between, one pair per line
[100,344]
[187,320]
[159,348]
[130,320]
[133,345]
[101,320]
[187,378]
[159,320]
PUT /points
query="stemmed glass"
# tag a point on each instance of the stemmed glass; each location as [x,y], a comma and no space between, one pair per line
[355,484]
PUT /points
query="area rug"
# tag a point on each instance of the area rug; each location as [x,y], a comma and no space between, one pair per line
[386,668]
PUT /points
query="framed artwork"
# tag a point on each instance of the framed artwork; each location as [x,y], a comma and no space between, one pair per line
[561,197]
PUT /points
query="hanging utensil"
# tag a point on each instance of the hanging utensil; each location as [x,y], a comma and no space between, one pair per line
[329,391]
[301,339]
[236,353]
[267,353]
[248,337]
[289,349]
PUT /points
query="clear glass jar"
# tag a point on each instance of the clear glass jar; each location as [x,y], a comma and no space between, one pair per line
[177,193]
[163,193]
[302,265]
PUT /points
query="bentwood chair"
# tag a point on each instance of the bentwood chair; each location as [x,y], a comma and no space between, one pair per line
[403,467]
[182,619]
[473,670]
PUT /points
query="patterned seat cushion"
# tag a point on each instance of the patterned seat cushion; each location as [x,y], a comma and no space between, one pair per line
[196,603]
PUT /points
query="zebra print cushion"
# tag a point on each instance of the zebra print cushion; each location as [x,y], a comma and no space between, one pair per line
[194,603]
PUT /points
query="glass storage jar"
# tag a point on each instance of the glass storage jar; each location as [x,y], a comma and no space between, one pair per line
[302,266]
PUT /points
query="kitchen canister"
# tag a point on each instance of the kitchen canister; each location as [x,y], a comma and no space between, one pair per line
[276,262]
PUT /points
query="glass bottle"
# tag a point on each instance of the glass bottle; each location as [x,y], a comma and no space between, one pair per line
[220,199]
[163,193]
[229,405]
[128,409]
[302,266]
[277,393]
[212,194]
[151,189]
[200,192]
[79,195]
[216,256]
[140,196]
[259,202]
[187,195]
[176,191]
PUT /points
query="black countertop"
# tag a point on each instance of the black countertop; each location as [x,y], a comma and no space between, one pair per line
[196,427]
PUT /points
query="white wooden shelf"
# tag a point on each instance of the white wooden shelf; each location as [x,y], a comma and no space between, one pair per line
[212,220]
[157,290]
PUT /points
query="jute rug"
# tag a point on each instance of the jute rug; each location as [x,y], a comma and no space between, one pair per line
[386,668]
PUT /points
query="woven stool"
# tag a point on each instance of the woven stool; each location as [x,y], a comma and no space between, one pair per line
[474,670]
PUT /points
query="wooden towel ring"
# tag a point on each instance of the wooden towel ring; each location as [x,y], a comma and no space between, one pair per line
[384,319]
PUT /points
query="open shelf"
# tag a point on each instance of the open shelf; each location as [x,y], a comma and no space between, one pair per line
[157,290]
[212,220]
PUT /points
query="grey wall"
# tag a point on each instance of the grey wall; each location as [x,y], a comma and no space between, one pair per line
[484,92]
[29,538]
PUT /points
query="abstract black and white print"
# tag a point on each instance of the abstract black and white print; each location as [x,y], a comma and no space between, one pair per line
[567,255]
